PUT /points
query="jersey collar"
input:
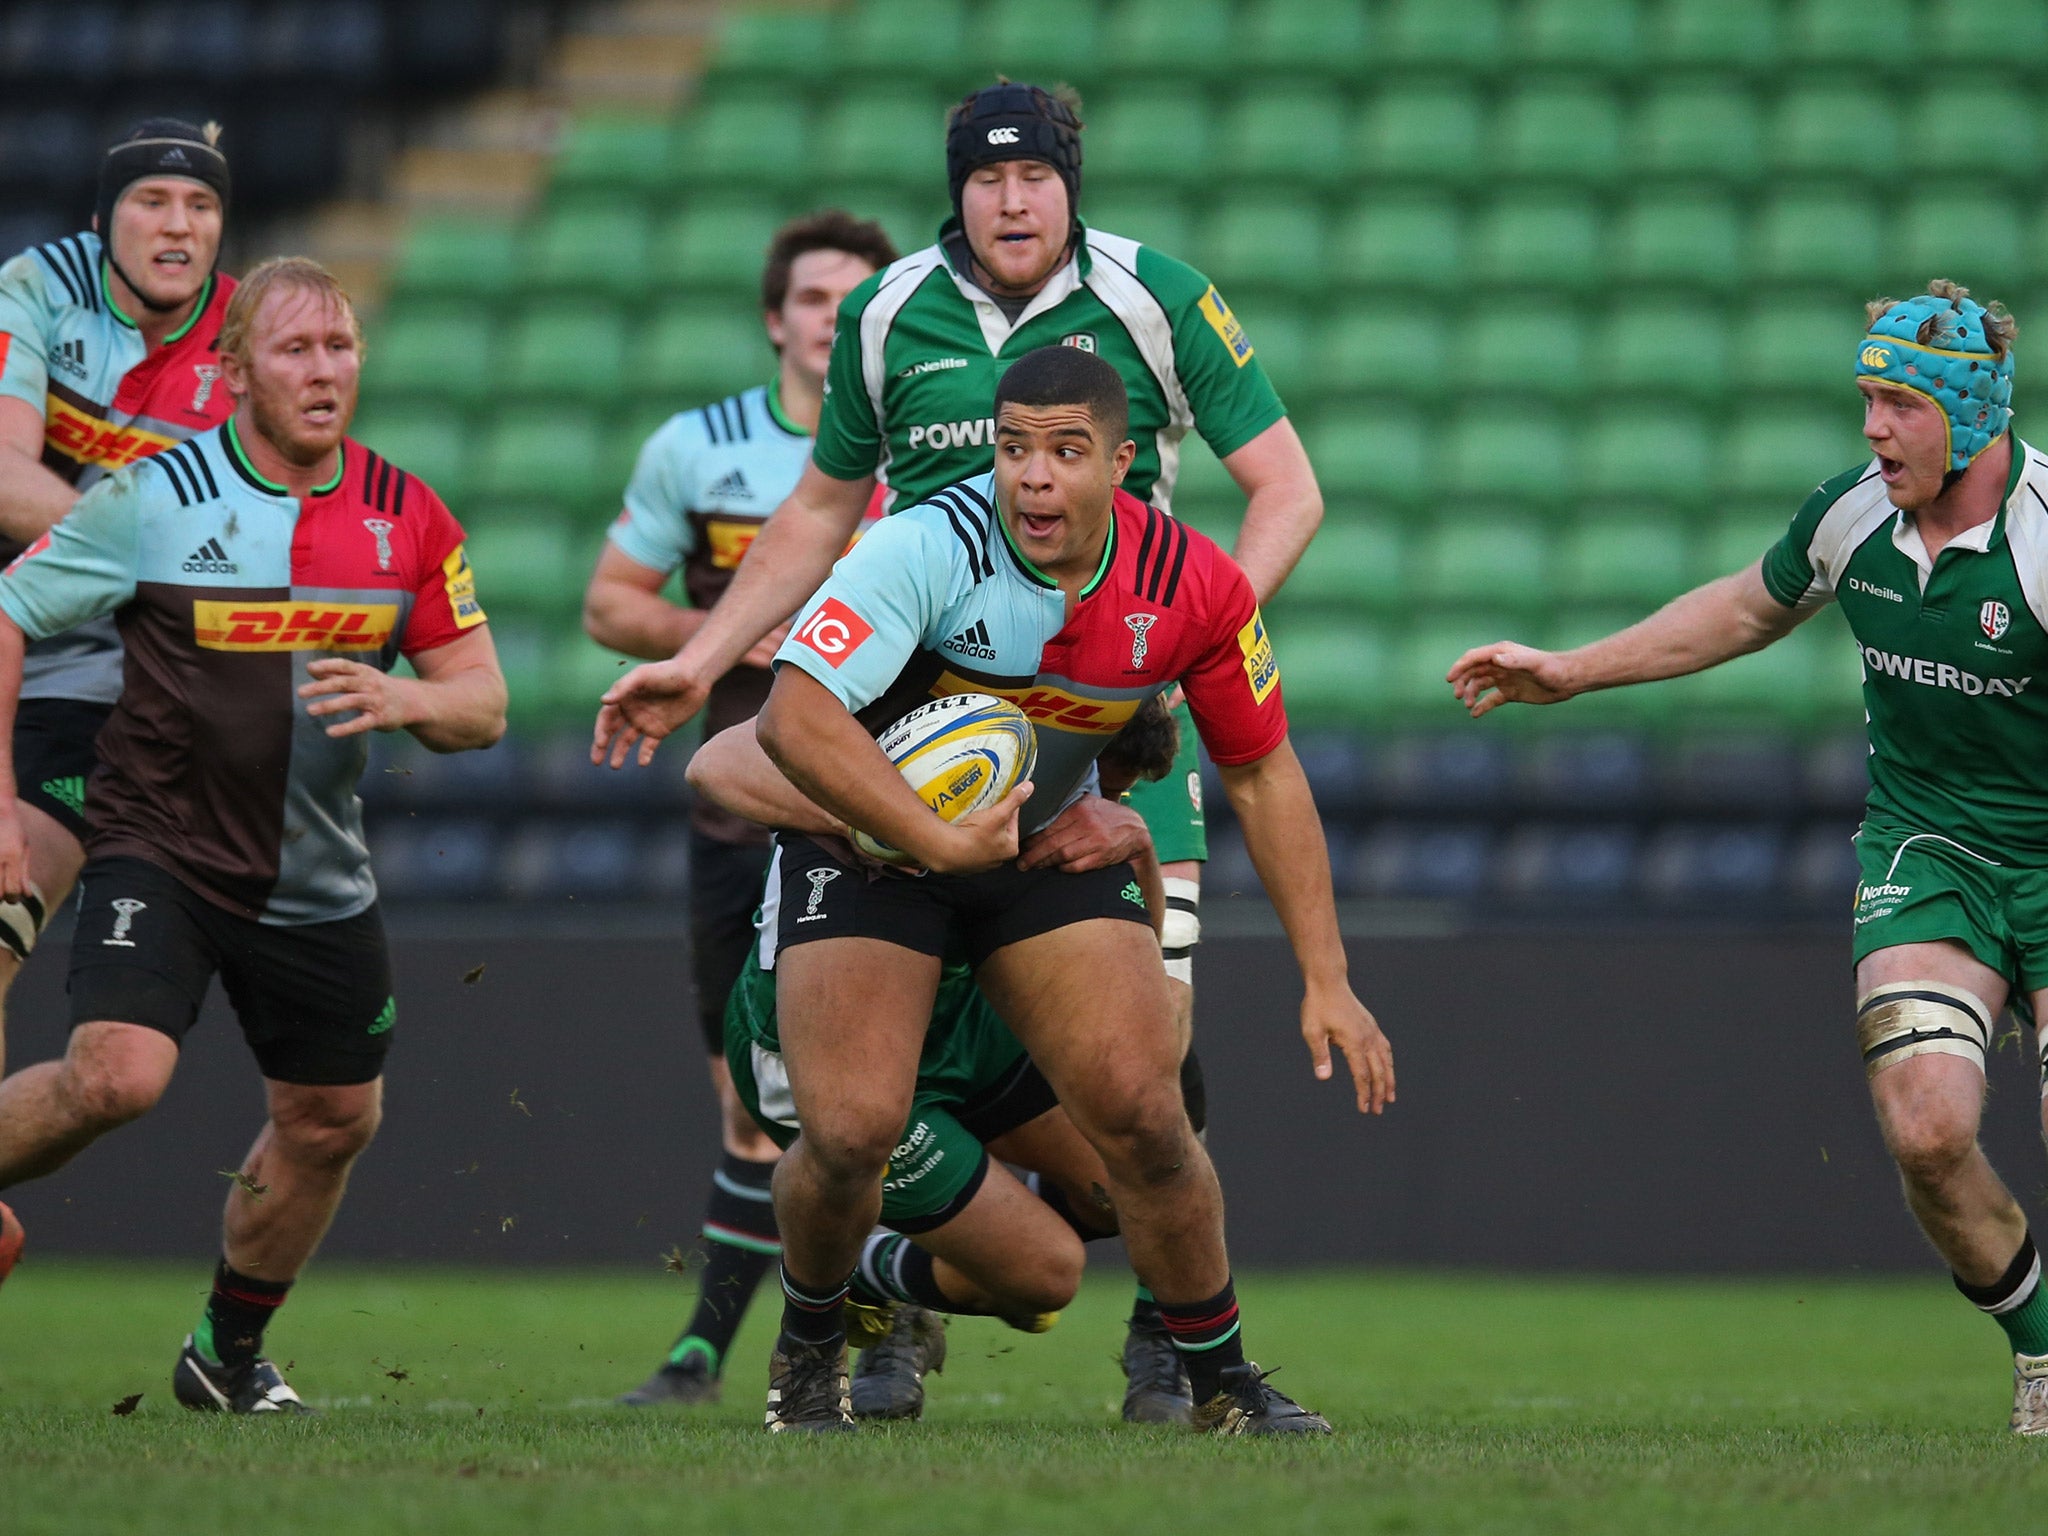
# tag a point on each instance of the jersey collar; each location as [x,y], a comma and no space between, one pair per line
[996,328]
[239,458]
[198,309]
[1037,577]
[775,409]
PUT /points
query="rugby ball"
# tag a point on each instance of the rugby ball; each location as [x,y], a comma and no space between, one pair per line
[961,753]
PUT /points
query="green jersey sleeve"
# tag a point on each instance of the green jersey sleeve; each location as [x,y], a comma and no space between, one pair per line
[849,441]
[1232,399]
[86,565]
[1791,573]
[24,331]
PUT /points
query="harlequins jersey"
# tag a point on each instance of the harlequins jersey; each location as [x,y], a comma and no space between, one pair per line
[225,587]
[938,600]
[106,401]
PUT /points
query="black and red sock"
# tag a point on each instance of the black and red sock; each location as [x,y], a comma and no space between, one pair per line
[813,1317]
[230,1331]
[1208,1337]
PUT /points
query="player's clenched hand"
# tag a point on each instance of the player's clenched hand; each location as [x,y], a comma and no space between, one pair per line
[644,706]
[380,701]
[1334,1016]
[1507,673]
[1092,833]
[978,841]
[14,881]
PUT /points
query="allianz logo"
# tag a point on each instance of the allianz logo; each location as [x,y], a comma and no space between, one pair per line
[1931,674]
[980,433]
[1858,584]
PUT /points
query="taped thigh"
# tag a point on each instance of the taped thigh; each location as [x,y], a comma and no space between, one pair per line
[1904,1019]
[1182,930]
[21,922]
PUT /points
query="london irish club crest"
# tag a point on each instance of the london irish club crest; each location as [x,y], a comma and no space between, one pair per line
[1994,618]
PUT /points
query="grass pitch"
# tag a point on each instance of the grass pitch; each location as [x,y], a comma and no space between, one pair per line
[479,1402]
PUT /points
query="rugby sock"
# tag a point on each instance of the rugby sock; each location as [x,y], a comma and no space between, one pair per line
[812,1317]
[1207,1335]
[740,1241]
[893,1268]
[2017,1303]
[230,1330]
[1194,1092]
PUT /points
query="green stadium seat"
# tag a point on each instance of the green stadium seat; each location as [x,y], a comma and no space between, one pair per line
[612,153]
[1357,345]
[1282,136]
[1954,32]
[1683,238]
[1579,34]
[1737,541]
[1701,130]
[1377,452]
[1990,128]
[589,243]
[1332,673]
[1800,346]
[1534,344]
[564,351]
[1539,240]
[1775,684]
[748,137]
[1423,652]
[1351,564]
[1470,558]
[881,135]
[909,40]
[1042,40]
[1203,492]
[911,221]
[442,349]
[522,647]
[692,353]
[1559,133]
[530,564]
[1155,220]
[1305,38]
[550,453]
[1817,237]
[1660,347]
[1869,34]
[1400,242]
[1147,137]
[469,257]
[1509,452]
[1638,452]
[431,442]
[1973,237]
[579,670]
[775,44]
[1281,340]
[1715,34]
[1173,38]
[1431,134]
[1641,560]
[715,243]
[1264,244]
[1785,453]
[1461,35]
[1842,131]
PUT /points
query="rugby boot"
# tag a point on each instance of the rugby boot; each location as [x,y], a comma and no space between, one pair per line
[1248,1406]
[1156,1389]
[678,1384]
[866,1326]
[2030,1394]
[889,1381]
[807,1389]
[258,1387]
[12,1240]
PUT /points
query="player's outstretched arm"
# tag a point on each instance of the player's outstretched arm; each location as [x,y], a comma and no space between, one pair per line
[1283,505]
[14,881]
[1724,619]
[735,774]
[32,498]
[455,704]
[1284,835]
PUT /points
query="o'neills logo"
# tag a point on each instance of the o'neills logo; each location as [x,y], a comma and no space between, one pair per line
[1939,674]
[1858,584]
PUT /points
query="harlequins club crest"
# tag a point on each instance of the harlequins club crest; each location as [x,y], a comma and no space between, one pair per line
[1140,623]
[1994,618]
[209,375]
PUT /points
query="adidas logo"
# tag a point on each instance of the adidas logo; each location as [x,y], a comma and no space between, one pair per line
[733,485]
[70,357]
[974,642]
[175,156]
[209,559]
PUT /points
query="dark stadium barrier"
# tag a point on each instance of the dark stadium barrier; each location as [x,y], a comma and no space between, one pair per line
[1649,1101]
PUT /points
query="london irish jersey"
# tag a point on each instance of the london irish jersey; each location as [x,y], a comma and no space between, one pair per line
[225,587]
[106,400]
[936,600]
[912,383]
[1955,653]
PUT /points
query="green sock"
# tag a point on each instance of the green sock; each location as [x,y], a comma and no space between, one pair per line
[689,1344]
[2017,1303]
[2027,1324]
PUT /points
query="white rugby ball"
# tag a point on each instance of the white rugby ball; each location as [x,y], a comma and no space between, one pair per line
[961,753]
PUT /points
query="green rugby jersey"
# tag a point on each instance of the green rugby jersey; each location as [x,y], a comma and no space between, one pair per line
[911,388]
[1955,653]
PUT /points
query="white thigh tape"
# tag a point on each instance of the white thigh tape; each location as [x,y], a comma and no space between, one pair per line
[1904,1019]
[21,923]
[1182,930]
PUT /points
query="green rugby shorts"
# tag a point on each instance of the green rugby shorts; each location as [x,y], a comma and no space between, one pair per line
[1919,887]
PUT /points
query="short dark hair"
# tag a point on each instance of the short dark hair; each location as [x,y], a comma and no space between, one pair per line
[829,229]
[1066,375]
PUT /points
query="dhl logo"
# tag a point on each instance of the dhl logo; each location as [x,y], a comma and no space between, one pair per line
[219,626]
[92,441]
[1046,705]
[1874,356]
[730,542]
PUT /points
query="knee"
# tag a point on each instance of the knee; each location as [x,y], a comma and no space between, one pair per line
[1143,1133]
[1929,1145]
[107,1091]
[1051,1276]
[325,1132]
[852,1150]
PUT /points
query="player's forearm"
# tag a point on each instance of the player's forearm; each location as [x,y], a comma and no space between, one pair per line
[1284,836]
[458,711]
[789,560]
[733,772]
[33,500]
[636,622]
[1711,624]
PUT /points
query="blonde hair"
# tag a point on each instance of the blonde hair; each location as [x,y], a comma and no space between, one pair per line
[1999,327]
[298,272]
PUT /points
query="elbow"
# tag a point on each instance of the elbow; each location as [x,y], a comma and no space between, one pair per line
[597,617]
